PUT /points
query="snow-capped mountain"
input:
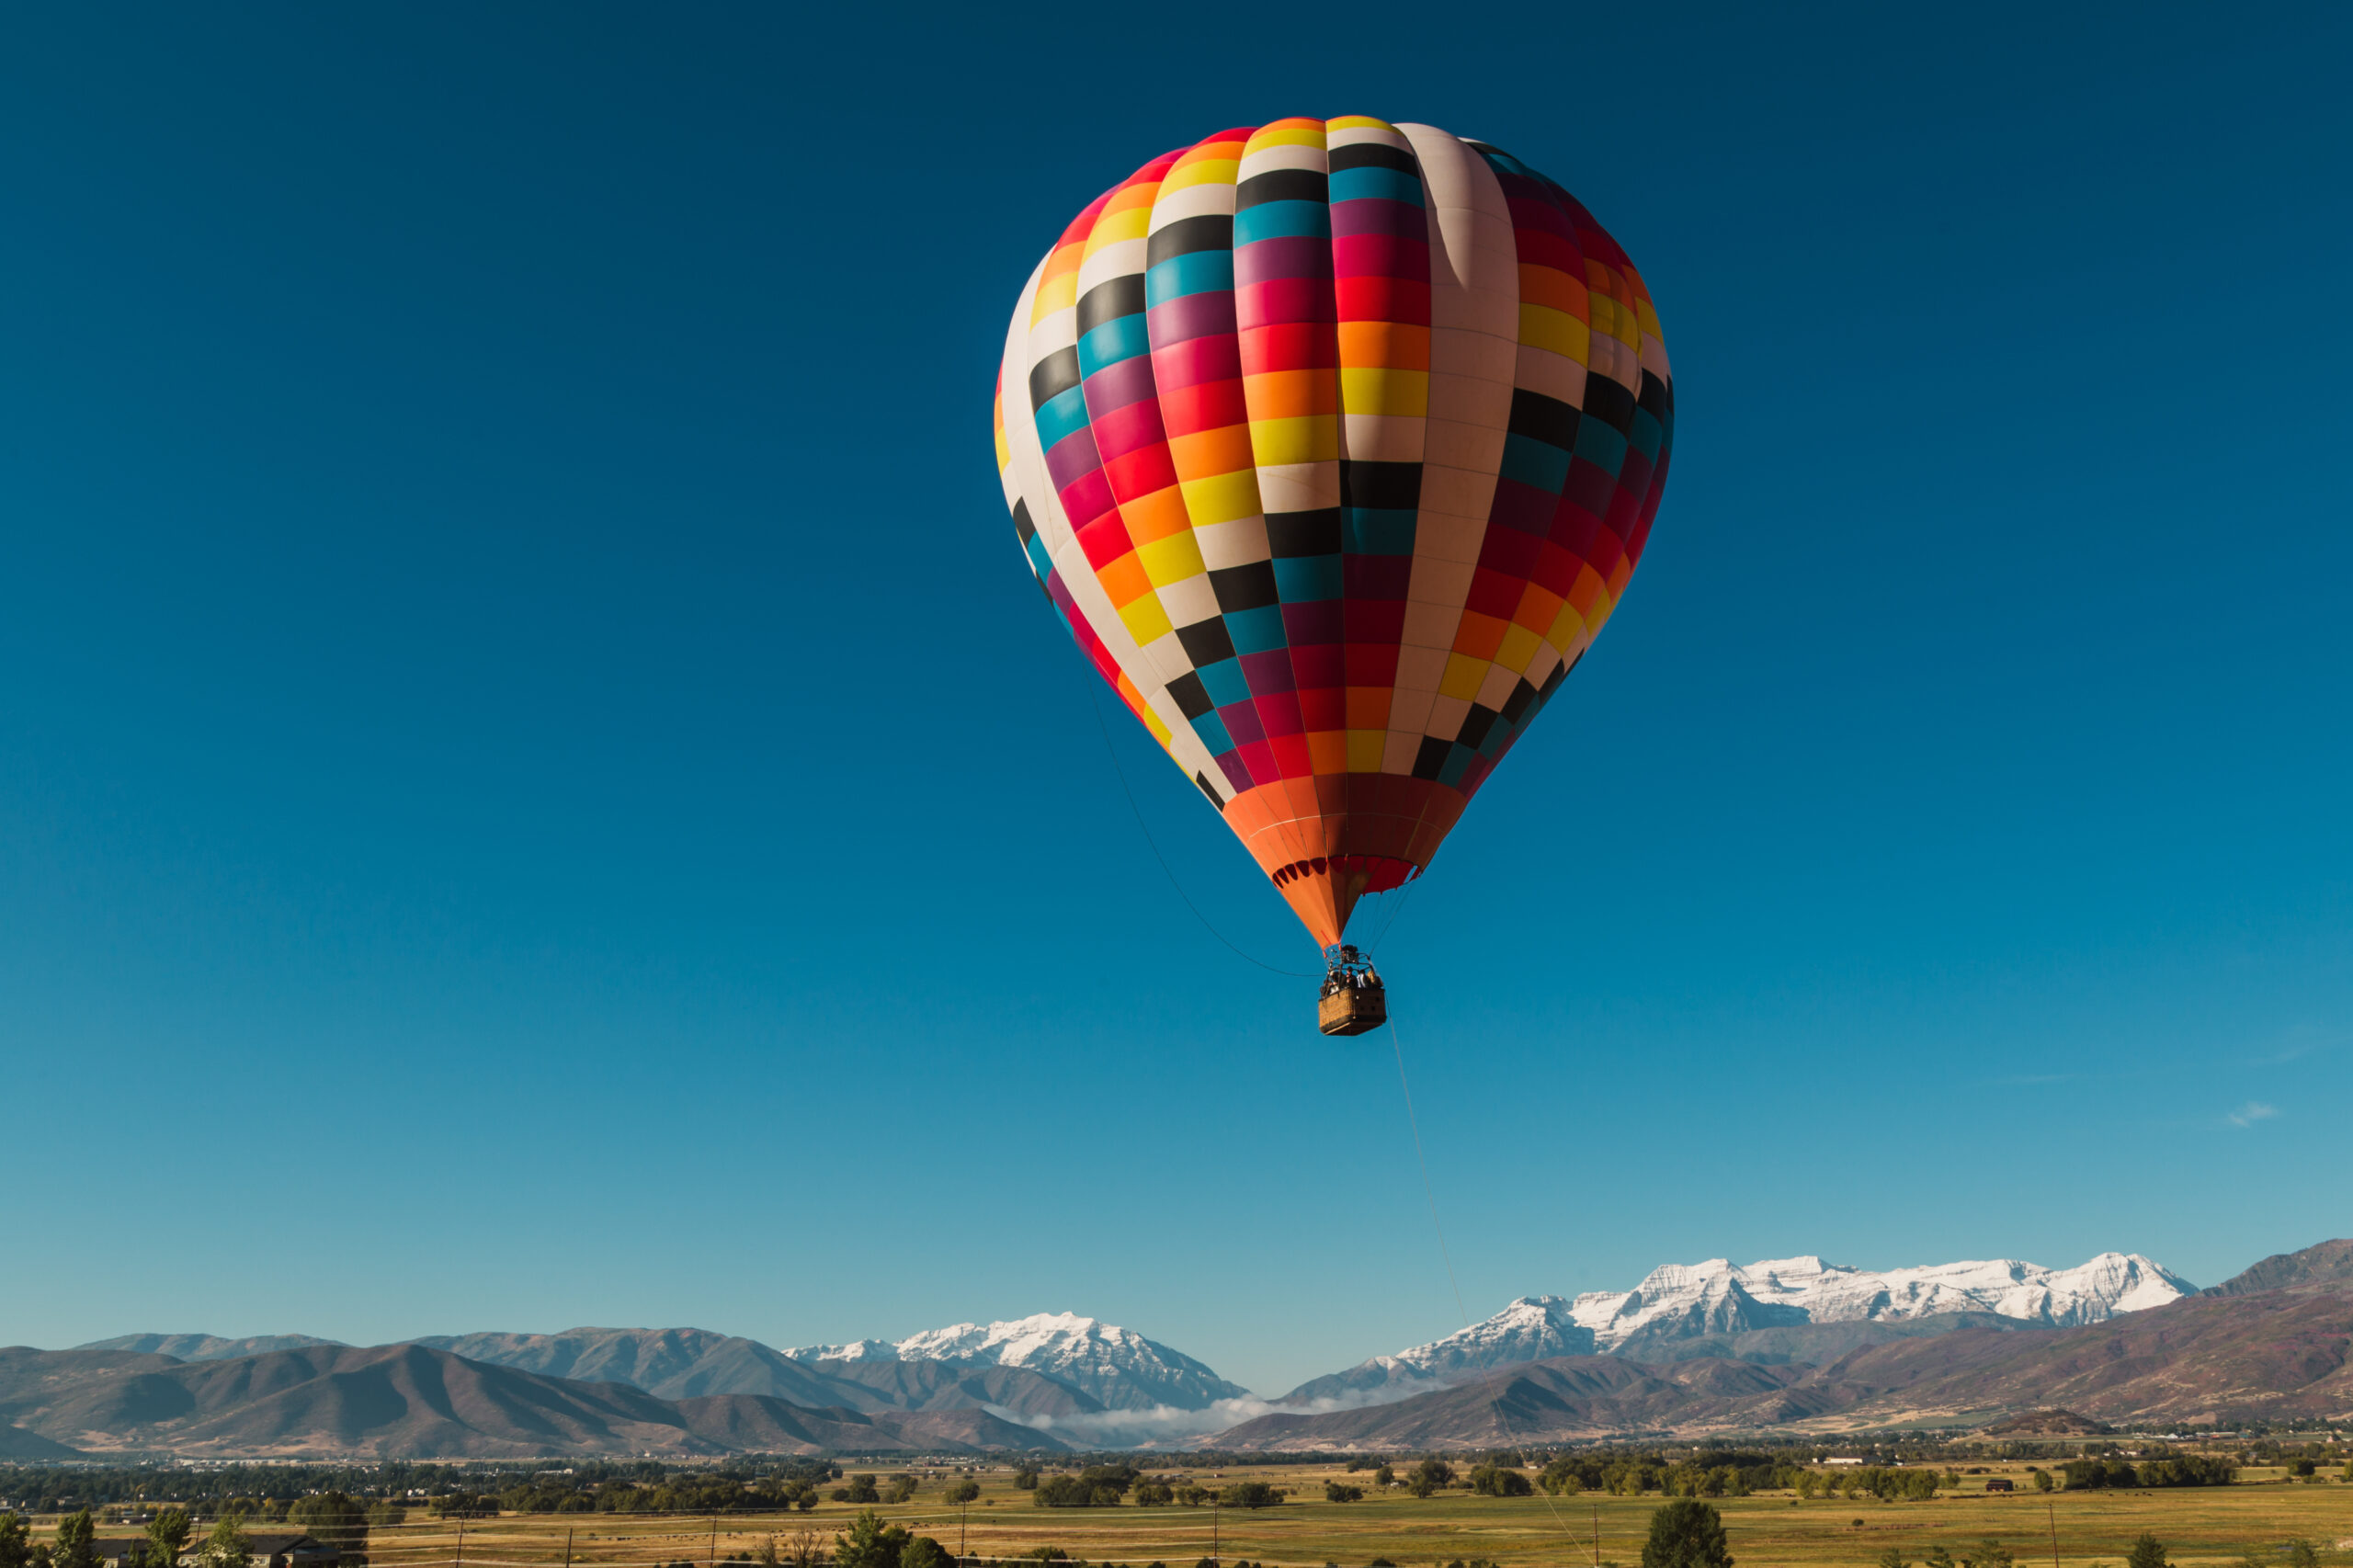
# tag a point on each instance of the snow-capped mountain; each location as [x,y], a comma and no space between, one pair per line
[1685,1300]
[1117,1366]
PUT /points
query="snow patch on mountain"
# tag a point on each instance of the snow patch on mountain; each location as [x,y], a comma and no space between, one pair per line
[1117,1366]
[1719,1297]
[1685,1301]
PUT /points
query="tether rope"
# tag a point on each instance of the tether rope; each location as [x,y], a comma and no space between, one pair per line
[1428,1191]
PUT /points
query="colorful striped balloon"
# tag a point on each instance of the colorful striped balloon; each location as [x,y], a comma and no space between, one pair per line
[1334,443]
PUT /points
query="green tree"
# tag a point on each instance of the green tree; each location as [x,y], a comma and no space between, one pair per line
[923,1553]
[386,1514]
[227,1546]
[2147,1552]
[167,1535]
[1892,1558]
[2300,1554]
[336,1520]
[1429,1476]
[868,1542]
[77,1545]
[1990,1553]
[1686,1533]
[1500,1481]
[1387,1475]
[1063,1492]
[1938,1557]
[1025,1480]
[1251,1495]
[2042,1481]
[1336,1492]
[963,1492]
[16,1542]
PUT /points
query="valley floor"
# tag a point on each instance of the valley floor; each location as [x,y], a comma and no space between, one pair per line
[2202,1527]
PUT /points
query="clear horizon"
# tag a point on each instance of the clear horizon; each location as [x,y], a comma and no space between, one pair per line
[537,788]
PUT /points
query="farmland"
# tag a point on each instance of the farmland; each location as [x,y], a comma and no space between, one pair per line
[2199,1526]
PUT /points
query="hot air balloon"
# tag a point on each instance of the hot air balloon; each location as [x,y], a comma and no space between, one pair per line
[1334,443]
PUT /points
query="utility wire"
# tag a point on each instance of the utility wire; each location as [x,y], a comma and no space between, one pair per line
[1096,702]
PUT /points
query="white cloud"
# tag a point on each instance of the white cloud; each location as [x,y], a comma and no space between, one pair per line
[1168,1426]
[2252,1112]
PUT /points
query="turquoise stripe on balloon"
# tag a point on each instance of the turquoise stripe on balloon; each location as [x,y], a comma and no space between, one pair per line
[1062,415]
[1282,220]
[1257,631]
[1213,734]
[1373,183]
[1366,531]
[1301,578]
[1535,462]
[1224,683]
[1196,272]
[1601,445]
[1122,338]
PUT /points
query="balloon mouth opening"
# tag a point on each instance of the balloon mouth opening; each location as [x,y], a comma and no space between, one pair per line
[1360,874]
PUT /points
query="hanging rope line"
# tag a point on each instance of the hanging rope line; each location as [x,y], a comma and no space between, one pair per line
[1397,910]
[1431,1194]
[1428,1191]
[1094,703]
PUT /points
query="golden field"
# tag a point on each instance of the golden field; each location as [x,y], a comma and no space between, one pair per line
[2199,1526]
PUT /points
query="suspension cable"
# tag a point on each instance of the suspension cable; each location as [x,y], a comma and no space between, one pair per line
[1095,703]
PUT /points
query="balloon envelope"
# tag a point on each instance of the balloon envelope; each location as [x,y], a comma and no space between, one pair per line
[1334,443]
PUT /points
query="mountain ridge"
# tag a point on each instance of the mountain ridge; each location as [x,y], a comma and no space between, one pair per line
[412,1399]
[1117,1366]
[1680,1303]
[2285,1352]
[2322,1261]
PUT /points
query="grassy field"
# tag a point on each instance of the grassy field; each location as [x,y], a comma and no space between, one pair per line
[2198,1525]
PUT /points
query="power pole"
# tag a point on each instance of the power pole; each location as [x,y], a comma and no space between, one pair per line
[2054,1509]
[714,1540]
[1213,1552]
[1597,1533]
[567,1546]
[461,1560]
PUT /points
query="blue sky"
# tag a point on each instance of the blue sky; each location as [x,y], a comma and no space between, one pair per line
[535,788]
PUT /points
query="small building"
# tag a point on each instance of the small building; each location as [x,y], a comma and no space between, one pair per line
[1998,1483]
[270,1551]
[293,1551]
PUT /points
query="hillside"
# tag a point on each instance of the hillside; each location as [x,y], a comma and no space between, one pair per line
[417,1401]
[2313,1265]
[16,1443]
[2276,1354]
